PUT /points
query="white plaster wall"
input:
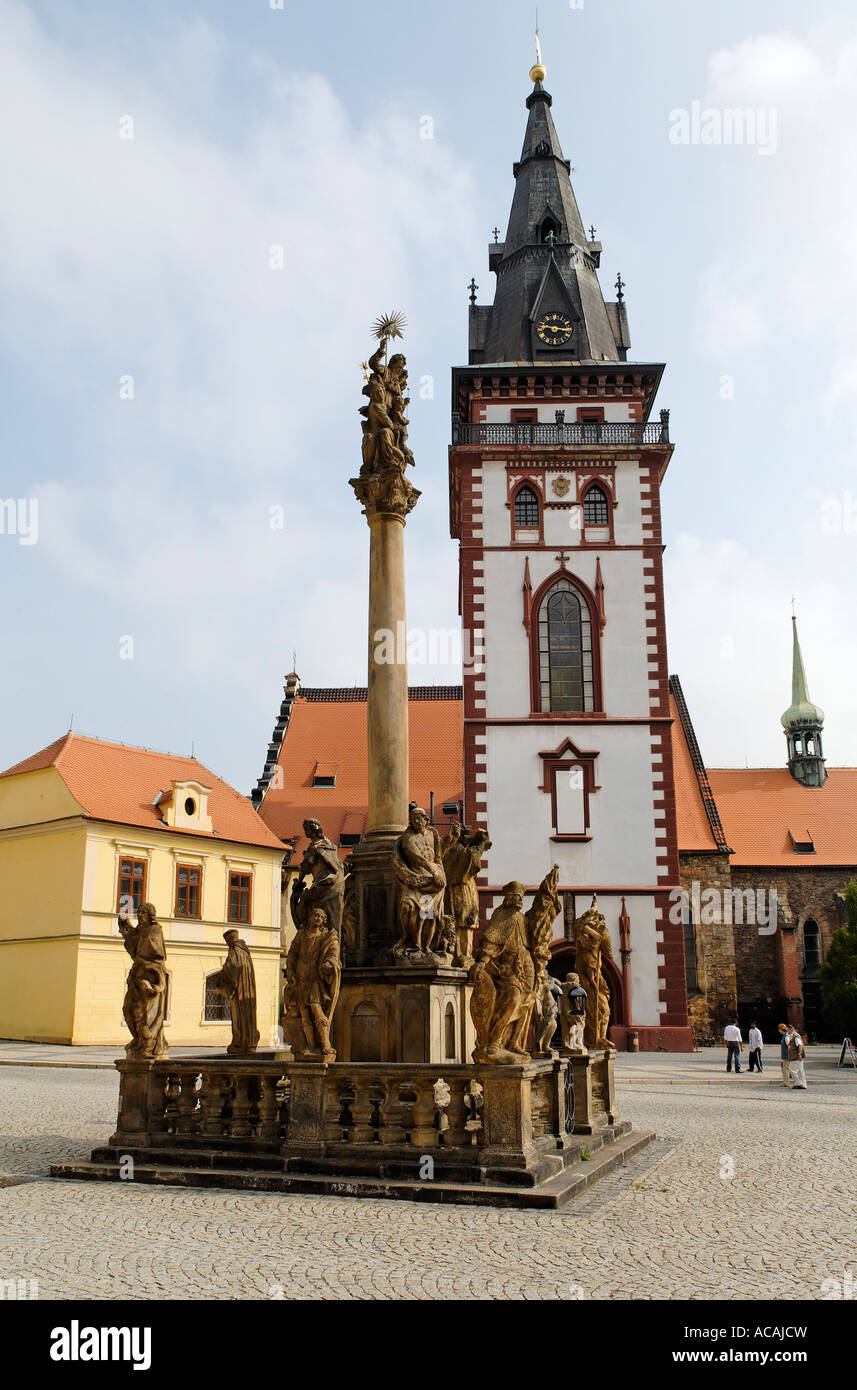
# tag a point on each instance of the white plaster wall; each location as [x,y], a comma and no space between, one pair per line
[558,527]
[623,641]
[622,846]
[495,512]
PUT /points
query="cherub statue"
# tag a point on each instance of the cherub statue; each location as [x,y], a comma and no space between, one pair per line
[572,1011]
[463,851]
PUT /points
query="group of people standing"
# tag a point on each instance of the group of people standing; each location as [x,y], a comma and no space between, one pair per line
[791,1051]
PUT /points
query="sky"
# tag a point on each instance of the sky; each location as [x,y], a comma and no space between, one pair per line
[204,206]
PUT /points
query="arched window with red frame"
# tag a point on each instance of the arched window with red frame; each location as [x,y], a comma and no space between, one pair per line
[566,677]
[596,507]
[526,515]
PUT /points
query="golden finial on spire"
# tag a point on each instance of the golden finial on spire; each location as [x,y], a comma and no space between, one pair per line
[538,72]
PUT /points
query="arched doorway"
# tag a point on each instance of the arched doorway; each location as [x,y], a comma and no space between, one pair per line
[562,961]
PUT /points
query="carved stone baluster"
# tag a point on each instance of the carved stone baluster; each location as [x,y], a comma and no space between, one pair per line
[424,1133]
[269,1117]
[172,1091]
[457,1114]
[406,1100]
[212,1103]
[338,1114]
[377,1112]
[362,1110]
[186,1105]
[241,1107]
[157,1102]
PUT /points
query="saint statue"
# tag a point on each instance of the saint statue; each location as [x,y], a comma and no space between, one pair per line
[313,971]
[591,942]
[572,1011]
[237,980]
[503,983]
[322,865]
[510,957]
[385,424]
[418,866]
[145,1003]
[463,851]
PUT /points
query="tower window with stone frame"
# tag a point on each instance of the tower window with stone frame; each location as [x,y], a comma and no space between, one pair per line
[526,508]
[596,507]
[566,671]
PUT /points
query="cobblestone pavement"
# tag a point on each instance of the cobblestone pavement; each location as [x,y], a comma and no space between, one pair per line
[672,1225]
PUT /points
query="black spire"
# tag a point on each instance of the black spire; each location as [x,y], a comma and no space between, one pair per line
[546,265]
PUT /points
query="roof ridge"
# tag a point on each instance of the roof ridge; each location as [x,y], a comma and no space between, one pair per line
[333,694]
[133,748]
[693,749]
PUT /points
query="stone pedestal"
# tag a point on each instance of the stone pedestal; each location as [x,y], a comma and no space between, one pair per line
[375,931]
[408,1013]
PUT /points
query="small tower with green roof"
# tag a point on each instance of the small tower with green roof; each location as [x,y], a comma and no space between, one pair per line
[803,722]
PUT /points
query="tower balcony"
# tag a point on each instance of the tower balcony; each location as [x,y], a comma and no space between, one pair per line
[560,435]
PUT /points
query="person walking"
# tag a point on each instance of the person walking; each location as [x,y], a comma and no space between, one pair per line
[734,1045]
[784,1030]
[754,1044]
[797,1075]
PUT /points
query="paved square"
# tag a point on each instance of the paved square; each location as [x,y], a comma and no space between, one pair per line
[671,1225]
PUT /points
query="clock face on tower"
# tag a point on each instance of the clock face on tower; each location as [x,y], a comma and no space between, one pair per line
[555,329]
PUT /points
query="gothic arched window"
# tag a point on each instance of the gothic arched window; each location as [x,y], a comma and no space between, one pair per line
[596,508]
[811,942]
[565,674]
[526,509]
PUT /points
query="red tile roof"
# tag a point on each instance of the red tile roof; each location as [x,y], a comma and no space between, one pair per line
[759,807]
[328,727]
[697,819]
[116,783]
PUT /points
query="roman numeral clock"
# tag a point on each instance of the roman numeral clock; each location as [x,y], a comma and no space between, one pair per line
[554,330]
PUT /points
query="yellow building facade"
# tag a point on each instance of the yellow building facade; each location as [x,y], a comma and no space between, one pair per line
[88,828]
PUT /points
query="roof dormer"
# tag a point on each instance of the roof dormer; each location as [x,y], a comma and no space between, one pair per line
[185,807]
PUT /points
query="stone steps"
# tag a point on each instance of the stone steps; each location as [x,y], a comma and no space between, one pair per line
[171,1170]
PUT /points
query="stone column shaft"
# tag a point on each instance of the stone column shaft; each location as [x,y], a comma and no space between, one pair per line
[387,704]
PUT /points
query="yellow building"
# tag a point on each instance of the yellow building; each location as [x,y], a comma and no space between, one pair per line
[88,826]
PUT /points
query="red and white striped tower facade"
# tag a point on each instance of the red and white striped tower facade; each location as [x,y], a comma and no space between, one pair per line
[555,473]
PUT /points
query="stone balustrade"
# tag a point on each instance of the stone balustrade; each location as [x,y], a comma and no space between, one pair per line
[272,1104]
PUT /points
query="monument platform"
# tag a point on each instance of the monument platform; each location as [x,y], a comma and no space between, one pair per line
[529,1135]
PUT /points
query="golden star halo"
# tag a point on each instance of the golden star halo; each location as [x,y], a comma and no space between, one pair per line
[390,325]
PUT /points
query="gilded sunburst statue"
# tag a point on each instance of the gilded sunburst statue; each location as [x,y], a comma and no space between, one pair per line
[390,326]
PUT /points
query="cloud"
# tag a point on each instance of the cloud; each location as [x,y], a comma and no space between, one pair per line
[155,258]
[730,643]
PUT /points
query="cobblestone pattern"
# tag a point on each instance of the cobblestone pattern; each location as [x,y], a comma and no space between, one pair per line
[674,1228]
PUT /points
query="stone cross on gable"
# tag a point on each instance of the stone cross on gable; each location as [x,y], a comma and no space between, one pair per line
[562,557]
[473,287]
[496,235]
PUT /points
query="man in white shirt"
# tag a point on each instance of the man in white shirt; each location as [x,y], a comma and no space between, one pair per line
[734,1046]
[754,1043]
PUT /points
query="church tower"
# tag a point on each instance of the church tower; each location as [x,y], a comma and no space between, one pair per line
[555,472]
[803,722]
